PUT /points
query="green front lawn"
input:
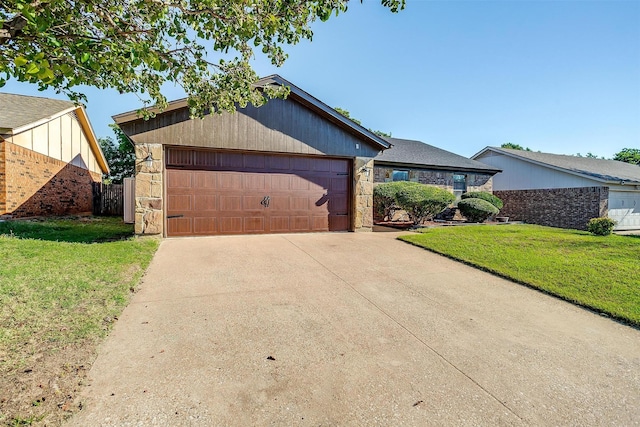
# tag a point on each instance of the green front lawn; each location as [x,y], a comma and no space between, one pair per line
[601,273]
[62,285]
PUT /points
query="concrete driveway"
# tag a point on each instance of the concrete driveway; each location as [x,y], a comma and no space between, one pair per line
[352,329]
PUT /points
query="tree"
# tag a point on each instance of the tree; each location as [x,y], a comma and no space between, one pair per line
[134,46]
[348,116]
[628,155]
[120,155]
[513,146]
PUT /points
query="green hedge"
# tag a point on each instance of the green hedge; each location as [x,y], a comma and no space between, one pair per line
[476,210]
[483,195]
[600,226]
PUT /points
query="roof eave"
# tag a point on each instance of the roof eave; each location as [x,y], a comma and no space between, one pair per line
[91,137]
[440,167]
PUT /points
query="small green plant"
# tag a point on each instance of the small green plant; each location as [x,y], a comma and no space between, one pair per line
[494,200]
[422,202]
[602,226]
[476,210]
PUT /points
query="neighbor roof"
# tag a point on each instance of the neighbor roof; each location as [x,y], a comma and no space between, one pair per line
[298,95]
[17,111]
[418,154]
[611,171]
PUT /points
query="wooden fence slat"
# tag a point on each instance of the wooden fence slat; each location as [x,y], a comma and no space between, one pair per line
[108,199]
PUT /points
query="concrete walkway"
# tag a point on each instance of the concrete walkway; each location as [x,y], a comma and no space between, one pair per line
[352,329]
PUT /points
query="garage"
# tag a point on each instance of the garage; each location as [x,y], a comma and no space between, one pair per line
[624,208]
[216,193]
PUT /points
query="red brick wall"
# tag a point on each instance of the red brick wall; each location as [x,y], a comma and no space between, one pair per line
[37,185]
[3,192]
[558,207]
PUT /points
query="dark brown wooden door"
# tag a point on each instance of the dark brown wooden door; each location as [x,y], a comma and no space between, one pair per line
[210,193]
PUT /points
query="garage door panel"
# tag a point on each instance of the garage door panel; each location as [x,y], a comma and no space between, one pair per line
[178,179]
[179,226]
[205,202]
[624,208]
[230,203]
[254,224]
[230,225]
[205,225]
[179,203]
[305,194]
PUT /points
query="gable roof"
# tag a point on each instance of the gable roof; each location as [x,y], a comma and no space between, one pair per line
[17,111]
[610,171]
[296,94]
[418,154]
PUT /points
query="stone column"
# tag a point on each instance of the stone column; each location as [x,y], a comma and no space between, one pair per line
[149,190]
[363,180]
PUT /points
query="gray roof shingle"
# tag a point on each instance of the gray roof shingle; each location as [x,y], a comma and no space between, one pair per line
[606,170]
[416,153]
[20,110]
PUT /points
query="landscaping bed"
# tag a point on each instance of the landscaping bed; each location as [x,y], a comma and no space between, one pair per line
[63,283]
[601,273]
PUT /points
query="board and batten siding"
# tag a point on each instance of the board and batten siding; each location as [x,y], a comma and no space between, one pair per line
[280,126]
[521,175]
[61,138]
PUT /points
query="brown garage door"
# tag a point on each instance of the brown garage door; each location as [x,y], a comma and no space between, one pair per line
[211,192]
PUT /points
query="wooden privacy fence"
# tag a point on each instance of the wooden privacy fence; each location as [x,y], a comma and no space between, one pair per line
[108,199]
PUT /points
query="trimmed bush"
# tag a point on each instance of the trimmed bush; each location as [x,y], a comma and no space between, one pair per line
[602,226]
[483,195]
[384,199]
[476,210]
[422,202]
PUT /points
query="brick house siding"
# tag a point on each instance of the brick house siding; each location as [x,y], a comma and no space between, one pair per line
[37,185]
[558,207]
[439,178]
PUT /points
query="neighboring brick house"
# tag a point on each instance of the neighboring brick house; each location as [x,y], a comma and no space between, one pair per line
[49,157]
[410,160]
[564,191]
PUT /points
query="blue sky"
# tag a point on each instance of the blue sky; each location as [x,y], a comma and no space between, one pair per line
[555,76]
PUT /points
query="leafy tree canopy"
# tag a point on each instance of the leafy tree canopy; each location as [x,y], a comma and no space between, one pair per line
[628,155]
[120,155]
[514,146]
[134,46]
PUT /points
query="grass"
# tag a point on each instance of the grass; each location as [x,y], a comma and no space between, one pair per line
[600,273]
[62,284]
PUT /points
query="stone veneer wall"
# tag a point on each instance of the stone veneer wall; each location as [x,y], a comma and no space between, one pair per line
[149,190]
[33,184]
[557,207]
[363,176]
[439,178]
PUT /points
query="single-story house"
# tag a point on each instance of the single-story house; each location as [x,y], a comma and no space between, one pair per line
[293,165]
[410,160]
[564,191]
[49,157]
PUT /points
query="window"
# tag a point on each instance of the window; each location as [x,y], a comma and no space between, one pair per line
[400,175]
[459,184]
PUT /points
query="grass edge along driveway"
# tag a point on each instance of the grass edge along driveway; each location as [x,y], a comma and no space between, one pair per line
[63,282]
[596,272]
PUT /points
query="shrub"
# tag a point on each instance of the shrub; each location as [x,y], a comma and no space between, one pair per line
[600,226]
[483,195]
[422,202]
[476,210]
[384,199]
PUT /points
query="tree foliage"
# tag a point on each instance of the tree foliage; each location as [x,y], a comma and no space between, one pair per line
[628,155]
[120,155]
[513,146]
[422,202]
[134,46]
[348,116]
[476,210]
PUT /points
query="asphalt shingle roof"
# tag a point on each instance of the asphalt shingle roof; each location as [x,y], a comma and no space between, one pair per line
[417,153]
[608,170]
[20,110]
